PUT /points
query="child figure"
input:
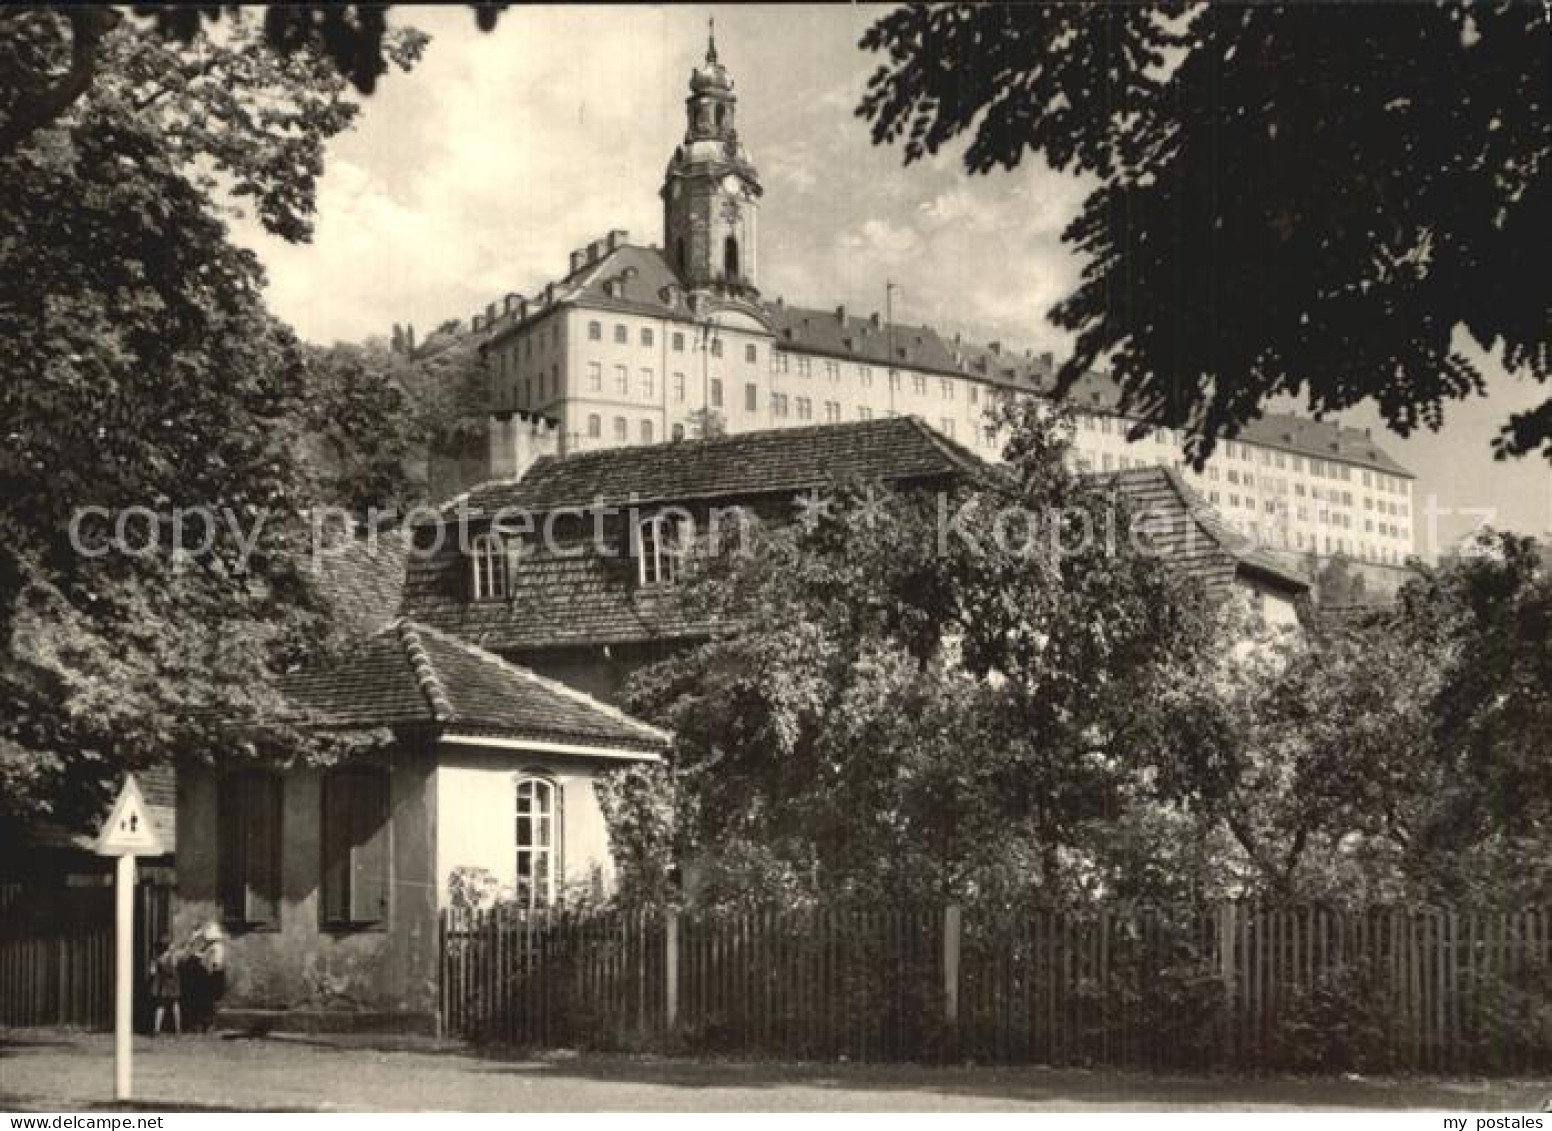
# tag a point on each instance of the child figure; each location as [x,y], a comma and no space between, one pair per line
[166,985]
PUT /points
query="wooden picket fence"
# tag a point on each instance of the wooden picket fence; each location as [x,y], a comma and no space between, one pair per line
[1303,987]
[58,979]
[56,952]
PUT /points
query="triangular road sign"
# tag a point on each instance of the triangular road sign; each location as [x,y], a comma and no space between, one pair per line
[128,830]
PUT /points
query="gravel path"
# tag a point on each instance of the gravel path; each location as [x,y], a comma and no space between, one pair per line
[59,1070]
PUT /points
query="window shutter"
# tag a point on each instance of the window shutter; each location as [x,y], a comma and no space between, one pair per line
[261,849]
[230,823]
[335,881]
[369,857]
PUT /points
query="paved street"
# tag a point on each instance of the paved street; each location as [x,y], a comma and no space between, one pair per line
[72,1071]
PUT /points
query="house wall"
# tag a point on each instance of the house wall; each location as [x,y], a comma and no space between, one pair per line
[299,965]
[476,815]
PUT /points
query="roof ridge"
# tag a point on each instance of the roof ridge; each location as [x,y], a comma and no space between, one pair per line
[955,452]
[425,672]
[554,686]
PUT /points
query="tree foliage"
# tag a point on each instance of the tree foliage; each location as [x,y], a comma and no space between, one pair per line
[144,372]
[901,709]
[1289,199]
[51,56]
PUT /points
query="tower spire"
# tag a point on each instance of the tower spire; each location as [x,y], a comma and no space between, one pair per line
[711,39]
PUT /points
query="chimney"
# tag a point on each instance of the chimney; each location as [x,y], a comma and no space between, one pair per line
[490,312]
[477,322]
[840,315]
[873,318]
[578,260]
[549,293]
[595,251]
[617,237]
[781,303]
[996,348]
[511,302]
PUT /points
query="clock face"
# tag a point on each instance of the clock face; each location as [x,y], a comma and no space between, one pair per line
[730,183]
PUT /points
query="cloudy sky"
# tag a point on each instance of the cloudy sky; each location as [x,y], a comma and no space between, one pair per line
[479,172]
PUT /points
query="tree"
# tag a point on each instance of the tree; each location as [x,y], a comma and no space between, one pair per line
[1487,620]
[897,710]
[1288,199]
[52,56]
[146,380]
[1306,753]
[377,418]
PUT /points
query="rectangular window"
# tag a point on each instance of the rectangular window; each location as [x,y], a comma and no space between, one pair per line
[864,413]
[716,392]
[677,341]
[595,426]
[661,542]
[867,376]
[595,377]
[778,404]
[751,398]
[648,383]
[679,387]
[832,371]
[716,347]
[621,429]
[646,335]
[947,388]
[248,848]
[621,334]
[919,384]
[805,408]
[805,367]
[646,431]
[595,331]
[751,354]
[622,380]
[832,411]
[355,846]
[948,427]
[975,394]
[894,379]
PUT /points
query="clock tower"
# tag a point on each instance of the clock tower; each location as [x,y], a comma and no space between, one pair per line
[711,192]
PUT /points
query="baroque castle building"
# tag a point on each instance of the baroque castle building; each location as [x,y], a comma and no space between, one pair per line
[646,344]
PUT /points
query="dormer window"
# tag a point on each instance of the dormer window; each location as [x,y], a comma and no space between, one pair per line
[488,568]
[661,543]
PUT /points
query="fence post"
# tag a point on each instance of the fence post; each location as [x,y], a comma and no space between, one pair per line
[1227,934]
[671,968]
[951,939]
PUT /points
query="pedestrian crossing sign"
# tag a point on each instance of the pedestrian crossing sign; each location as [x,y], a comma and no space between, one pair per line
[128,830]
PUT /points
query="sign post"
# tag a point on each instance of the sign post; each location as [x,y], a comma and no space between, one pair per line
[126,833]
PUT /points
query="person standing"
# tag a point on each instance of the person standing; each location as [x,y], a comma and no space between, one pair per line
[167,986]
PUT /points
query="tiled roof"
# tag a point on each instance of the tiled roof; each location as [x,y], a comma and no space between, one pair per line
[775,461]
[555,600]
[410,674]
[1190,533]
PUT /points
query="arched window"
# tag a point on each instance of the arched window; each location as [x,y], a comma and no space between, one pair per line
[490,568]
[538,840]
[730,258]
